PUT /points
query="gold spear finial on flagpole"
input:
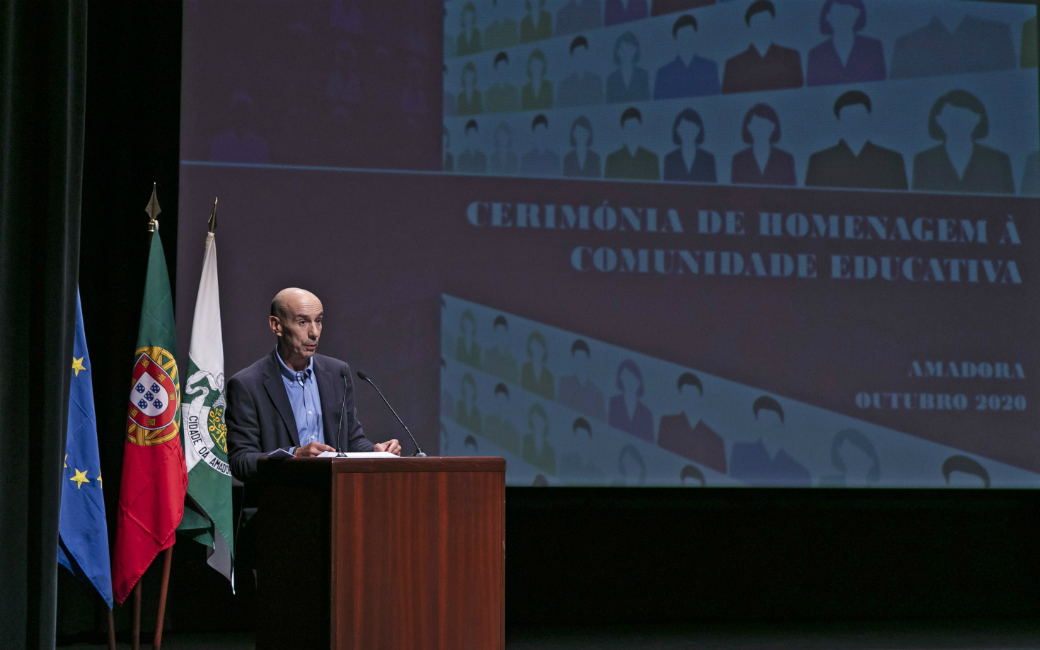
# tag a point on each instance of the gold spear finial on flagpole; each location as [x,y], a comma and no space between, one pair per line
[153,211]
[213,217]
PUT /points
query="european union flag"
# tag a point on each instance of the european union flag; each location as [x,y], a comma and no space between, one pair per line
[83,543]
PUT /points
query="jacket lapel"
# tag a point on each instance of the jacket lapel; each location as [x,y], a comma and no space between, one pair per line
[276,391]
[329,403]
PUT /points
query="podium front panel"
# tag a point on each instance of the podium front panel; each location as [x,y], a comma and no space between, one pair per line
[413,550]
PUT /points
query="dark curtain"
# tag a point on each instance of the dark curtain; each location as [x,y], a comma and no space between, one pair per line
[42,91]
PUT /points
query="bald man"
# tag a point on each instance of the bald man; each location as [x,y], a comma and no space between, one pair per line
[291,398]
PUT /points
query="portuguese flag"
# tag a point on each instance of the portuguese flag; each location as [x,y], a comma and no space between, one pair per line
[151,493]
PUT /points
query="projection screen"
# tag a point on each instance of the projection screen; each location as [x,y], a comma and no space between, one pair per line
[653,242]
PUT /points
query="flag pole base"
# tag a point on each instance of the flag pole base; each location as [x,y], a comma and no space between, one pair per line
[136,641]
[163,588]
[111,631]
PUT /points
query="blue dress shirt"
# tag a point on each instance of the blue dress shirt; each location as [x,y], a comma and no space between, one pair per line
[302,389]
[751,464]
[676,79]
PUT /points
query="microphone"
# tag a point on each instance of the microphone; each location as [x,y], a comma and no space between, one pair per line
[342,412]
[418,451]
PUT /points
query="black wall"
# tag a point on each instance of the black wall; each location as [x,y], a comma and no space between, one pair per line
[574,556]
[613,556]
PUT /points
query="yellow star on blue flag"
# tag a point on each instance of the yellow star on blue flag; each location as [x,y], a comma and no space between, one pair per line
[80,478]
[83,535]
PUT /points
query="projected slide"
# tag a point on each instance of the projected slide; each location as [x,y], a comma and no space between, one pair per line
[567,410]
[640,242]
[887,95]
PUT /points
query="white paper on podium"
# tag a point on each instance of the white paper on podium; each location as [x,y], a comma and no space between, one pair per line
[357,454]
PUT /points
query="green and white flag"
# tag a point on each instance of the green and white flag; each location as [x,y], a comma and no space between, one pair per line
[208,514]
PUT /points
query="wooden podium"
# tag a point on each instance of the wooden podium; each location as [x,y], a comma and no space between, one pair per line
[367,554]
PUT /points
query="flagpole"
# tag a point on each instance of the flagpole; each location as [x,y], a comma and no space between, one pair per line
[137,616]
[135,569]
[167,558]
[153,211]
[111,631]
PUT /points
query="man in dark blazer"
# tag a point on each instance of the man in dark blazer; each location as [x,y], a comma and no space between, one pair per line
[291,398]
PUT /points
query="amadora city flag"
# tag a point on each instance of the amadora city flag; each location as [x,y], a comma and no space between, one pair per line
[207,515]
[151,494]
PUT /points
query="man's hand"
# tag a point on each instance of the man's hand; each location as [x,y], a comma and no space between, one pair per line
[391,446]
[313,449]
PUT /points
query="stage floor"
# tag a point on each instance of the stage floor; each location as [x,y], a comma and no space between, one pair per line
[846,636]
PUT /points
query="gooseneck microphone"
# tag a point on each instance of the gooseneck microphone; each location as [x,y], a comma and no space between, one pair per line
[342,412]
[418,451]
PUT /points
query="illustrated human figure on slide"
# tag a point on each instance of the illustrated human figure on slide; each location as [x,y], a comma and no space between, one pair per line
[536,25]
[502,96]
[856,162]
[537,93]
[581,161]
[467,350]
[581,87]
[498,359]
[632,160]
[467,414]
[689,162]
[627,410]
[847,56]
[468,40]
[472,160]
[765,65]
[686,434]
[763,163]
[470,101]
[540,160]
[628,82]
[687,75]
[764,461]
[503,160]
[958,120]
[498,426]
[577,390]
[534,376]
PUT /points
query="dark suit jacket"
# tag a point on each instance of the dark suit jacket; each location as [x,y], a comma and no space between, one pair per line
[637,90]
[571,167]
[747,72]
[779,168]
[702,171]
[662,7]
[260,419]
[874,168]
[977,45]
[751,464]
[698,443]
[642,165]
[988,171]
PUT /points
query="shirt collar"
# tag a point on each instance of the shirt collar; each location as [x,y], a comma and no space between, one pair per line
[292,375]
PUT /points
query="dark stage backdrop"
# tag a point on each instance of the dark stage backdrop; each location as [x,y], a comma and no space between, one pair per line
[42,93]
[647,243]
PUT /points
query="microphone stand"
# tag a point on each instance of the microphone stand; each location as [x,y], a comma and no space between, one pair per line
[418,450]
[342,412]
